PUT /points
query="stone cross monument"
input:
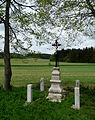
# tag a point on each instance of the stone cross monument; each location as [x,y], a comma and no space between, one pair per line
[55,91]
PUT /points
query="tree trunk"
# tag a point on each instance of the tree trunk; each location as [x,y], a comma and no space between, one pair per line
[8,72]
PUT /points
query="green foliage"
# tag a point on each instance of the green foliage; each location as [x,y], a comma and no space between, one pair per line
[12,106]
[45,2]
[52,58]
[71,14]
[86,55]
[28,55]
[1,55]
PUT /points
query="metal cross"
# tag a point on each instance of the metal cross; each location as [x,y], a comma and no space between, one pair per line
[56,44]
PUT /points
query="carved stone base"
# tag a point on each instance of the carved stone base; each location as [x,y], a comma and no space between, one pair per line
[54,97]
[55,91]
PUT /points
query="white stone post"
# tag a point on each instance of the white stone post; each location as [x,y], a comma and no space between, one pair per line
[29,93]
[42,84]
[77,96]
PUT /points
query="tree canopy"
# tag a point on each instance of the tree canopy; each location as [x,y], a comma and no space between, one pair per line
[21,22]
[69,15]
[46,19]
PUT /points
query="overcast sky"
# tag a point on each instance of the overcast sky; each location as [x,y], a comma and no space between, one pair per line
[47,48]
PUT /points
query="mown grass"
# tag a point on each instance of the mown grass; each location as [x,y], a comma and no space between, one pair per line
[12,103]
[30,71]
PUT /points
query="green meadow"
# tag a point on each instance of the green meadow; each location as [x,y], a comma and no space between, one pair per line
[24,71]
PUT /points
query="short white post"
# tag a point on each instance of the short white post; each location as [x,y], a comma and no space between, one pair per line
[29,93]
[77,96]
[42,84]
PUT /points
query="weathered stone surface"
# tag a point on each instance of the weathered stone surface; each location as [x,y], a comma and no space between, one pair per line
[77,83]
[55,86]
[56,74]
[42,84]
[29,93]
[55,97]
[77,96]
[55,91]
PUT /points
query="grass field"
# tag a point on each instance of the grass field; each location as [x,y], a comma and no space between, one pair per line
[12,106]
[30,71]
[12,103]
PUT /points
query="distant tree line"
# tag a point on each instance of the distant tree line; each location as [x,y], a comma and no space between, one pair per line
[38,55]
[86,55]
[13,55]
[28,55]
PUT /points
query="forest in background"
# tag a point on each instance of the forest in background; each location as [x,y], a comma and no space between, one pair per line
[86,55]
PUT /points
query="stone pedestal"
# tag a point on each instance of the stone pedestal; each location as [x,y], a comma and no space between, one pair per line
[55,91]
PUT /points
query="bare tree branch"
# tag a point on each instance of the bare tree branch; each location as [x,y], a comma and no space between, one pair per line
[13,32]
[2,2]
[31,7]
[91,7]
[2,20]
[16,8]
[24,5]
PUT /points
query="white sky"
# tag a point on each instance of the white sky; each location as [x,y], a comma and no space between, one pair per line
[1,33]
[47,48]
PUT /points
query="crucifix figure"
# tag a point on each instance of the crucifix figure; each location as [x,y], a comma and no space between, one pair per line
[56,44]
